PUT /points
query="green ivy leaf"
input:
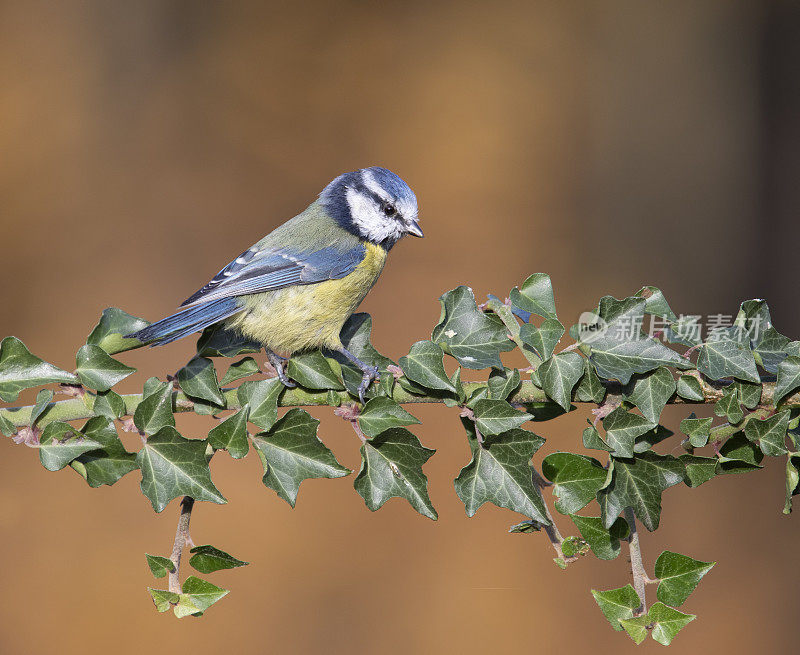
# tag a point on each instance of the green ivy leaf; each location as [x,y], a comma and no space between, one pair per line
[198,379]
[535,296]
[155,411]
[497,416]
[559,375]
[729,406]
[769,433]
[109,404]
[163,599]
[198,595]
[788,378]
[526,527]
[97,370]
[391,466]
[205,408]
[185,607]
[628,312]
[793,349]
[770,350]
[535,379]
[667,622]
[592,439]
[380,414]
[231,434]
[571,547]
[173,466]
[542,339]
[159,566]
[19,370]
[43,399]
[678,576]
[577,480]
[500,473]
[792,481]
[481,393]
[312,371]
[698,469]
[261,396]
[753,316]
[636,628]
[604,543]
[794,429]
[411,387]
[619,349]
[291,452]
[651,392]
[217,341]
[6,426]
[474,338]
[503,384]
[739,455]
[727,354]
[622,428]
[697,429]
[60,443]
[242,369]
[617,604]
[423,365]
[655,303]
[638,483]
[687,330]
[111,461]
[109,333]
[768,344]
[590,389]
[622,360]
[460,395]
[208,559]
[749,393]
[689,388]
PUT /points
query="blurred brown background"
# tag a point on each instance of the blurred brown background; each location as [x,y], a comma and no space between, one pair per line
[610,144]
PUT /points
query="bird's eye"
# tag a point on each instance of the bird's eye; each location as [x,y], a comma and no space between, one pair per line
[389,209]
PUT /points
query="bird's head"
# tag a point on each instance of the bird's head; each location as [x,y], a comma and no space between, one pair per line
[374,204]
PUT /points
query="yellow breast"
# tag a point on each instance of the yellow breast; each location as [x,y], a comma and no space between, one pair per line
[305,317]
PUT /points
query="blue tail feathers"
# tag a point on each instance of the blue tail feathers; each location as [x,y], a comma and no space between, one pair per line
[186,322]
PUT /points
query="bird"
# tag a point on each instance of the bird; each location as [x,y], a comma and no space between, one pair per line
[294,289]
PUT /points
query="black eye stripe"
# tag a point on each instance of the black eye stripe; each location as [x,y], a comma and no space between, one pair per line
[374,196]
[378,200]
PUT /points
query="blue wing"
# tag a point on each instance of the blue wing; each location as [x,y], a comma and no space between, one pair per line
[257,270]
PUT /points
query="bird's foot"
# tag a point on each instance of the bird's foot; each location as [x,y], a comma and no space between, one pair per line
[278,363]
[284,378]
[370,374]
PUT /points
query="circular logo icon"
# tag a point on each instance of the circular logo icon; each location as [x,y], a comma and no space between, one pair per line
[590,326]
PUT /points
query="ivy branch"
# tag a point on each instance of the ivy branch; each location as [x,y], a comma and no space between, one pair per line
[528,393]
[627,359]
[182,538]
[640,577]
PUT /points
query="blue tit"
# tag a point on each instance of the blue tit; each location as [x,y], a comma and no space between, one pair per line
[293,290]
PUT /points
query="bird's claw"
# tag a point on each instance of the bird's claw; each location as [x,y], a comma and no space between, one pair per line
[370,374]
[285,378]
[278,364]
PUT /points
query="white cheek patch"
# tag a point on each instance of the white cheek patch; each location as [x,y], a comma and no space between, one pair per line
[408,210]
[369,219]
